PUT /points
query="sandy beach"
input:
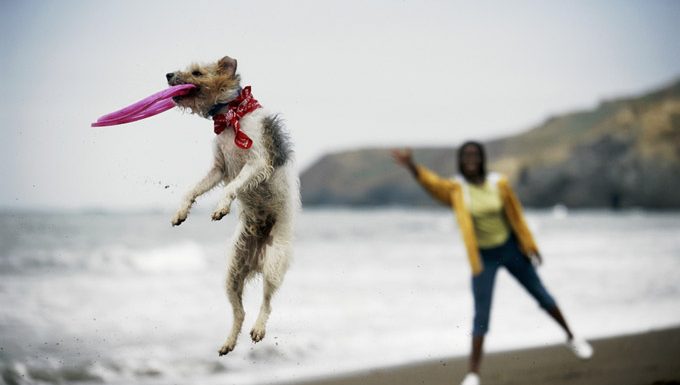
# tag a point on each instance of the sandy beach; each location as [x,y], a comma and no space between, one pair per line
[651,358]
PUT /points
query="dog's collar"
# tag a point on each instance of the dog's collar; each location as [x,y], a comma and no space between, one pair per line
[216,108]
[243,104]
[213,110]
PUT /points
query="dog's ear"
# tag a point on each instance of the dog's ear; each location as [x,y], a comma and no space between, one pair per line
[227,65]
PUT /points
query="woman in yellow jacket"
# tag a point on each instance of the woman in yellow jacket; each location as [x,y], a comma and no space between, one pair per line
[495,234]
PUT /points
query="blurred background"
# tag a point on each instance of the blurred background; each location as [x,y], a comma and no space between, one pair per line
[578,103]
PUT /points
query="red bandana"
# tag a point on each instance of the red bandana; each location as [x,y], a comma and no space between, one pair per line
[243,104]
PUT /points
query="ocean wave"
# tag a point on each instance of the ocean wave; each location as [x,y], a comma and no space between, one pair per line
[16,373]
[142,371]
[182,256]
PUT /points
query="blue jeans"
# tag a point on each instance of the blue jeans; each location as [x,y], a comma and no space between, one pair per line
[510,256]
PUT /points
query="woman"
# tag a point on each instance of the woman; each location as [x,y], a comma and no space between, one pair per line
[495,234]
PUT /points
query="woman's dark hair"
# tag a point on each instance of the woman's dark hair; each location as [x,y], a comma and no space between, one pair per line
[480,147]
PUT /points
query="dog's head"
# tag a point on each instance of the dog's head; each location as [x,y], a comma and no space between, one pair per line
[215,83]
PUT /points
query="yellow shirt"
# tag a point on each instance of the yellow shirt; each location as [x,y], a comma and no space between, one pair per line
[488,217]
[450,192]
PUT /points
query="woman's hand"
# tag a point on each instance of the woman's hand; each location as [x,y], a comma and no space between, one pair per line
[403,157]
[536,259]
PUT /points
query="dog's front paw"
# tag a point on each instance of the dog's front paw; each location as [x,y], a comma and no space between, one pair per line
[226,348]
[223,208]
[257,334]
[180,216]
[220,213]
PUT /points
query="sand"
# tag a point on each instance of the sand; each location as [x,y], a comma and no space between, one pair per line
[651,358]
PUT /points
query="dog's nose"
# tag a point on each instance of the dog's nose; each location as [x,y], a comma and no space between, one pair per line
[169,75]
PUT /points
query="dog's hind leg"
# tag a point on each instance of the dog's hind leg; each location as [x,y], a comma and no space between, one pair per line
[235,283]
[269,288]
[275,266]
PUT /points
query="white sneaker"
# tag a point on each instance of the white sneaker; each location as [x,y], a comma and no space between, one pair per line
[580,347]
[471,379]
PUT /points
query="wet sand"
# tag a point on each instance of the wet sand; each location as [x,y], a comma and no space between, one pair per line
[651,358]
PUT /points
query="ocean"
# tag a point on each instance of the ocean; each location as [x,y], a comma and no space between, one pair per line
[121,298]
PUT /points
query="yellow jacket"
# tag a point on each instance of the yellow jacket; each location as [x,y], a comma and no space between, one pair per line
[451,192]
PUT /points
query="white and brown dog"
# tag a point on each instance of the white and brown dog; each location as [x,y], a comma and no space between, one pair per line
[252,157]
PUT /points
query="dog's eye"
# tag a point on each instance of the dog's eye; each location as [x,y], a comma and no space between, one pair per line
[197,73]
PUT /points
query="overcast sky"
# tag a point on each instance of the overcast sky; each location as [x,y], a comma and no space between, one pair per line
[343,74]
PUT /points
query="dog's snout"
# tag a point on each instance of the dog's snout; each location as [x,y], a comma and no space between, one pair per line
[169,75]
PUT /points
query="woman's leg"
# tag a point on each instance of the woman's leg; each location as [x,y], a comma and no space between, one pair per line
[482,289]
[521,268]
[556,314]
[476,353]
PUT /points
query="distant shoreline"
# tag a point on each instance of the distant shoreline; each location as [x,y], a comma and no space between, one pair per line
[649,358]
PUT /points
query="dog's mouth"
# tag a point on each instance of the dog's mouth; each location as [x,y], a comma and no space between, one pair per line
[189,94]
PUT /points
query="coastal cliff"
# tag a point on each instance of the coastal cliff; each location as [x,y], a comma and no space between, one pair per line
[623,153]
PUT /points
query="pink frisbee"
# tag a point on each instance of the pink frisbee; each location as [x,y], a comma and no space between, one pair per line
[149,106]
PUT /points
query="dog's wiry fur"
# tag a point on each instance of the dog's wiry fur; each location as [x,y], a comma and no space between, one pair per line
[261,178]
